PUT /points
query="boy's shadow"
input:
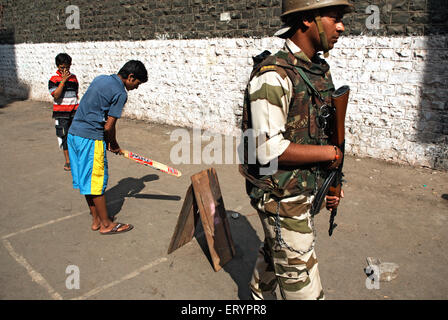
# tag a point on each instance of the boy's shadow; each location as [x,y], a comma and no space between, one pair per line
[130,187]
[246,242]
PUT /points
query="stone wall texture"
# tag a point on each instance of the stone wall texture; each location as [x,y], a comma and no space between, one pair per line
[114,20]
[198,54]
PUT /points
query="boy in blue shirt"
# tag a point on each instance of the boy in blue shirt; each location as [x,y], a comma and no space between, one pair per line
[93,132]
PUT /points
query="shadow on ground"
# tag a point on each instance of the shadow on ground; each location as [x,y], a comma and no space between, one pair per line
[131,188]
[246,244]
[5,101]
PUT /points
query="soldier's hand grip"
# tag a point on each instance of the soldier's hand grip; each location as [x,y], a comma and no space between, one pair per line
[335,191]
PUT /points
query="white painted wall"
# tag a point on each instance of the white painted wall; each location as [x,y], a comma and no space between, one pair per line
[200,83]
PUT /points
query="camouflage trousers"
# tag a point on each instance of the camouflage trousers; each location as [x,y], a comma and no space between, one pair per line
[287,264]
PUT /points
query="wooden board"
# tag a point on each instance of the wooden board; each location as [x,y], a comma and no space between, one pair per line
[186,223]
[213,216]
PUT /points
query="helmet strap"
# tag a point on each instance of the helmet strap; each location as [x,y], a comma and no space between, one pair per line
[322,35]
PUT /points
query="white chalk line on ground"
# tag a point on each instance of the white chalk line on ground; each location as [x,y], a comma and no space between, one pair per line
[38,226]
[42,225]
[38,278]
[126,277]
[35,276]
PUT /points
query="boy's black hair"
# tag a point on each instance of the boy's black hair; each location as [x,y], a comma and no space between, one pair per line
[135,67]
[63,58]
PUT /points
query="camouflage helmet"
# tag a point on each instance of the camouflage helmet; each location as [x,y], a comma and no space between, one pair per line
[291,6]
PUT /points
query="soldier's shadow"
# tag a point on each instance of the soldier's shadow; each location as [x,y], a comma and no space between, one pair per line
[246,242]
[131,188]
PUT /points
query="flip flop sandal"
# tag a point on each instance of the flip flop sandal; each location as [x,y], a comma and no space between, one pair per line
[118,226]
[67,166]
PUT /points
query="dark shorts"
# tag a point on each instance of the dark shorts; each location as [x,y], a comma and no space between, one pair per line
[62,125]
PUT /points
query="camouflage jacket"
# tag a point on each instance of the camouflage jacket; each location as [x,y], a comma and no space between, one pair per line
[301,106]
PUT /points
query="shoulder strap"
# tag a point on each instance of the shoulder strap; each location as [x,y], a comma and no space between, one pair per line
[306,79]
[266,62]
[308,83]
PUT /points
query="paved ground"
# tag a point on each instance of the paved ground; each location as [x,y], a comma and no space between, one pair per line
[395,213]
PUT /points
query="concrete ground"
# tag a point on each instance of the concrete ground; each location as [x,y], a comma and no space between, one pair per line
[395,213]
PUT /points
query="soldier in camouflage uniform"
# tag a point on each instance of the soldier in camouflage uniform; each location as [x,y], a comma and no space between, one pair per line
[283,106]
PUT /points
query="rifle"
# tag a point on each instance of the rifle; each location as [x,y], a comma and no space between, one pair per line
[333,184]
[339,100]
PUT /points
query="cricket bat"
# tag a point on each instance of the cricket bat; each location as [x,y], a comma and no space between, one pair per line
[151,163]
